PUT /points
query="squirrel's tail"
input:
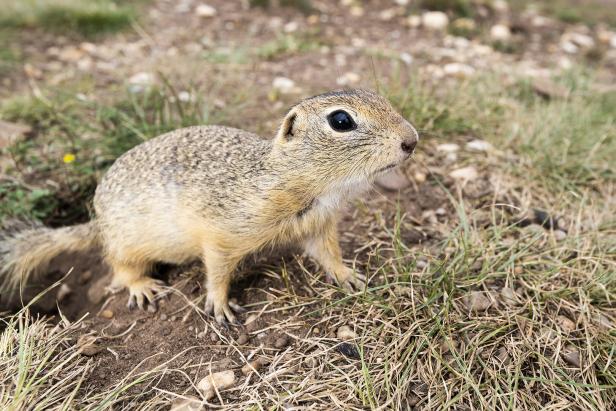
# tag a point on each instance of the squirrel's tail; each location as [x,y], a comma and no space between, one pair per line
[27,249]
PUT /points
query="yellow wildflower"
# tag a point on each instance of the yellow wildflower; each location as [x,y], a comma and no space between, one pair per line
[68,158]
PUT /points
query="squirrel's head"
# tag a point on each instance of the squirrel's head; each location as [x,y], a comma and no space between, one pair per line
[346,135]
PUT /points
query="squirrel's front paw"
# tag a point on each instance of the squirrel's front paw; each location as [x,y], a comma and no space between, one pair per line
[144,291]
[348,279]
[221,308]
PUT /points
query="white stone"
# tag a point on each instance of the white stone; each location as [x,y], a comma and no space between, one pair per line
[435,20]
[413,21]
[290,27]
[448,147]
[479,145]
[140,82]
[569,47]
[458,70]
[345,333]
[613,41]
[402,2]
[406,58]
[348,78]
[560,235]
[217,381]
[284,85]
[185,96]
[205,10]
[581,40]
[500,32]
[500,5]
[465,173]
[189,403]
[565,63]
[63,292]
[387,14]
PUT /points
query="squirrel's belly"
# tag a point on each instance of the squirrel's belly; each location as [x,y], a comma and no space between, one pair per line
[161,230]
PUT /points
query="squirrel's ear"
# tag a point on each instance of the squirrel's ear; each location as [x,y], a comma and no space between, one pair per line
[287,128]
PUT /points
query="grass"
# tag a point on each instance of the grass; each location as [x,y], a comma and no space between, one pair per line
[481,313]
[84,17]
[568,143]
[94,133]
[420,339]
[588,12]
[285,44]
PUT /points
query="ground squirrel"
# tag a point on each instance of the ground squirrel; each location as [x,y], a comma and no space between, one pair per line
[220,193]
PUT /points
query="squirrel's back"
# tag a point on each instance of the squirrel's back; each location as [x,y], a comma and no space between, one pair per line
[185,159]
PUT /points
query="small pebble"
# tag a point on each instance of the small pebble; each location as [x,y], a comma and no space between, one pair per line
[251,318]
[419,177]
[345,333]
[253,366]
[311,362]
[189,403]
[478,301]
[448,147]
[217,381]
[572,357]
[163,317]
[63,292]
[465,173]
[85,277]
[604,321]
[501,355]
[281,342]
[107,314]
[479,145]
[349,350]
[509,296]
[87,345]
[435,20]
[243,339]
[565,324]
[500,32]
[559,235]
[205,10]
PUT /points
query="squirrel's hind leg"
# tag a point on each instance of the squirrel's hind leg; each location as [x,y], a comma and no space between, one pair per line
[142,289]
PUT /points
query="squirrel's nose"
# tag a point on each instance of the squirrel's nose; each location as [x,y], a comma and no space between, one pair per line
[408,145]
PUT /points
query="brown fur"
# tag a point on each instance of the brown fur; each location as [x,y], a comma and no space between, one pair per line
[220,194]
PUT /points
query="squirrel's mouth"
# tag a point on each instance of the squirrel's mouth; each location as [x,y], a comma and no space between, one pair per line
[387,167]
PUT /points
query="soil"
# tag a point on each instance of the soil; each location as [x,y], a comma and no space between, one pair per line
[135,340]
[176,331]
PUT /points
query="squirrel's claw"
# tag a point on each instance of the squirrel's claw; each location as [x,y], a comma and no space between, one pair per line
[144,293]
[349,280]
[236,307]
[222,312]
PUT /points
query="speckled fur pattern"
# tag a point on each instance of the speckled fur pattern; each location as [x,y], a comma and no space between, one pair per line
[219,193]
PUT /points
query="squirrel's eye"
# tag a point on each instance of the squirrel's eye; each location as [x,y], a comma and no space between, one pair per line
[340,120]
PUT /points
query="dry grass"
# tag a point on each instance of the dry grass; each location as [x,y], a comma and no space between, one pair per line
[543,339]
[485,314]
